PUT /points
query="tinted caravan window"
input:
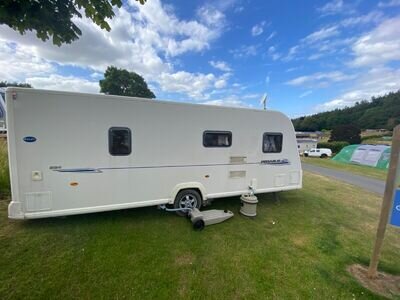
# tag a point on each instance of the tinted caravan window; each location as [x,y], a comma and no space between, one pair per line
[217,138]
[119,141]
[272,142]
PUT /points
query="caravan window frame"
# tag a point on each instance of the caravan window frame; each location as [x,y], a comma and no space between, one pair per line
[229,133]
[110,141]
[272,134]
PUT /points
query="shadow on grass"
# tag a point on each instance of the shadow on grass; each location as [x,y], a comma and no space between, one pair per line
[139,214]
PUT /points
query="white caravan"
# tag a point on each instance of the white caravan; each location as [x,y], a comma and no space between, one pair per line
[74,153]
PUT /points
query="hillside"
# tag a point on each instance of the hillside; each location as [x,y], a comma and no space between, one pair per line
[380,112]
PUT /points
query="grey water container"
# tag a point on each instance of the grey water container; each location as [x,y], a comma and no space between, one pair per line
[249,205]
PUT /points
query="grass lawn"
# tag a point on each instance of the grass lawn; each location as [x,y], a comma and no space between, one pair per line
[352,168]
[297,247]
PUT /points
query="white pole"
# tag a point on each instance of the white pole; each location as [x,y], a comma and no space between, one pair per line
[264,101]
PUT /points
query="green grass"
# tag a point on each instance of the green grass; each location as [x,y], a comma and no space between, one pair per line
[4,174]
[377,141]
[352,168]
[296,248]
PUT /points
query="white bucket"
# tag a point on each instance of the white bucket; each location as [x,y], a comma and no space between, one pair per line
[249,205]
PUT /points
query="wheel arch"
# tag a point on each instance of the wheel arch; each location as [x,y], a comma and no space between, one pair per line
[185,186]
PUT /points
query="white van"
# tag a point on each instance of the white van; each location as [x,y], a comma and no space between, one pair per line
[73,153]
[318,152]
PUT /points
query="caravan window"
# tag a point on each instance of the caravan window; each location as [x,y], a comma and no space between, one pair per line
[217,138]
[119,141]
[272,142]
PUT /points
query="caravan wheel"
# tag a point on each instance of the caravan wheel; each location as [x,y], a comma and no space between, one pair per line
[187,199]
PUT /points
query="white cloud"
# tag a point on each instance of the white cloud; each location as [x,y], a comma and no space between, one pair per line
[97,49]
[320,79]
[305,94]
[220,65]
[251,96]
[376,82]
[158,26]
[18,62]
[292,69]
[332,7]
[372,17]
[293,50]
[271,36]
[219,84]
[64,83]
[258,29]
[267,79]
[327,40]
[211,16]
[379,46]
[390,3]
[143,38]
[238,9]
[245,51]
[233,101]
[96,75]
[291,53]
[193,84]
[315,56]
[335,7]
[321,34]
[273,53]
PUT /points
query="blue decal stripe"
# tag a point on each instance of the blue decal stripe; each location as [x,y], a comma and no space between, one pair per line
[99,170]
[81,170]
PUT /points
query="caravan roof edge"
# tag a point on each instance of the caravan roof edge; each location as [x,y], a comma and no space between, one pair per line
[126,98]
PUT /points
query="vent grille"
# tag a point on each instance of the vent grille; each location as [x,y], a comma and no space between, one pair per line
[238,159]
[237,174]
[38,201]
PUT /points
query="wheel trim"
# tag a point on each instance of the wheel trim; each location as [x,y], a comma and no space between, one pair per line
[188,201]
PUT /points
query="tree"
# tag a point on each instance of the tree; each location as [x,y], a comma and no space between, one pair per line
[53,18]
[6,84]
[380,112]
[124,83]
[346,133]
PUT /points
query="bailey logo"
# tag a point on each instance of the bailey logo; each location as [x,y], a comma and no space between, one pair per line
[283,161]
[29,139]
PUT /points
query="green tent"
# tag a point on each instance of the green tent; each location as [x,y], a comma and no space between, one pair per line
[377,156]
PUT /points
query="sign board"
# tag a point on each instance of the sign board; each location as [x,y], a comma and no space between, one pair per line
[395,218]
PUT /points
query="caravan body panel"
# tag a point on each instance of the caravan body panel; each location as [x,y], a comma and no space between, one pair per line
[60,161]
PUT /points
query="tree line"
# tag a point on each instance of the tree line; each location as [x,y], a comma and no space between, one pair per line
[380,112]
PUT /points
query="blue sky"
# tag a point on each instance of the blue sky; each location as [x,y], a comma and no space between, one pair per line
[308,56]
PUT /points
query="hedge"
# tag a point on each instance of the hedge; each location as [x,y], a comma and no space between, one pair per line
[334,146]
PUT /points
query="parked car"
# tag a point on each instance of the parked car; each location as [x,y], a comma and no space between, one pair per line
[318,152]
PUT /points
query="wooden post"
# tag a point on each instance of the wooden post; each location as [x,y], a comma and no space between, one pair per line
[387,203]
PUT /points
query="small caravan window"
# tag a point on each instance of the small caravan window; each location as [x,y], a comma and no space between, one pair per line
[217,138]
[272,142]
[119,141]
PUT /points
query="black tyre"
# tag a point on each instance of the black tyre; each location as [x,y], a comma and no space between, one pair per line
[306,154]
[323,155]
[187,199]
